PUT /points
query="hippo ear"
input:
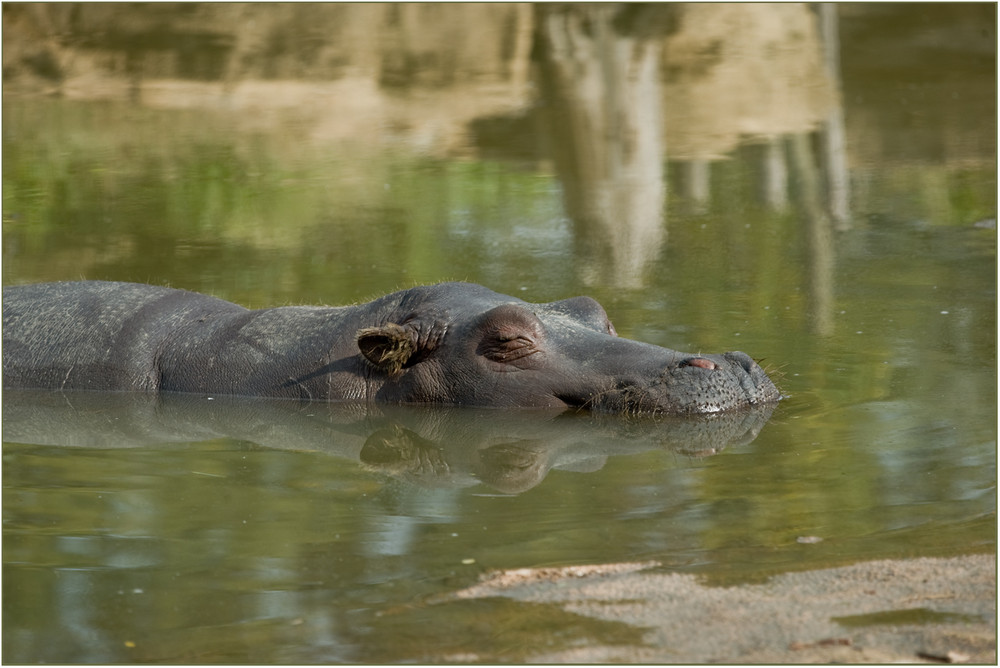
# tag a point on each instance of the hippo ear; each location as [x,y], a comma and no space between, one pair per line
[388,347]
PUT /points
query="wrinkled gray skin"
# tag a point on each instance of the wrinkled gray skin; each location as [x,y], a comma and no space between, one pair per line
[452,343]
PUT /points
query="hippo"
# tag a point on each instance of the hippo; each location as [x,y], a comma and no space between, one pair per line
[445,344]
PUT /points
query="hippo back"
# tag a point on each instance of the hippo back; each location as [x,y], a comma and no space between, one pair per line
[94,335]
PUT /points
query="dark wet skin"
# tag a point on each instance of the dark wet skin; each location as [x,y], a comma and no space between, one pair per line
[451,343]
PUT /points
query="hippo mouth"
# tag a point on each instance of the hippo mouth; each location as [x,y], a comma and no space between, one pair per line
[695,384]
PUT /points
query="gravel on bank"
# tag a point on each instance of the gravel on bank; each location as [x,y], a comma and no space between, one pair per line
[919,610]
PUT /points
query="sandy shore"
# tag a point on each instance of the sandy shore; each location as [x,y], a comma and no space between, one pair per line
[920,610]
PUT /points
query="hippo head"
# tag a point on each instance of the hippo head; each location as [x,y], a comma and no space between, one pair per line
[463,344]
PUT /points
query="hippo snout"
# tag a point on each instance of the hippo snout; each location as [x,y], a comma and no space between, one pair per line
[743,360]
[710,384]
[754,381]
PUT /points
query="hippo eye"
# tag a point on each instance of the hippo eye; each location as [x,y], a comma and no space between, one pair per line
[510,334]
[506,348]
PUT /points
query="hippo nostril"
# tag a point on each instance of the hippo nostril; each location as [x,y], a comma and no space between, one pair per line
[700,362]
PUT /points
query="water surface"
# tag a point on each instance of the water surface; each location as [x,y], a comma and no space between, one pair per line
[161,531]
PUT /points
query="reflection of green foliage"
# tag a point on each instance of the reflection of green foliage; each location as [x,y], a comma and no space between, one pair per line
[885,448]
[970,195]
[122,199]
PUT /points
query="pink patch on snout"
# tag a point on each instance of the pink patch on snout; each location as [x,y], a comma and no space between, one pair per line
[701,362]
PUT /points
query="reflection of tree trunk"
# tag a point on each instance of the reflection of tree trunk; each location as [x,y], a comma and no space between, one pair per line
[833,142]
[602,110]
[774,173]
[520,62]
[823,186]
[820,255]
[133,69]
[697,184]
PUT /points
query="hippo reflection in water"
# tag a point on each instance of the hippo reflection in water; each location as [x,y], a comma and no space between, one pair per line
[426,446]
[451,343]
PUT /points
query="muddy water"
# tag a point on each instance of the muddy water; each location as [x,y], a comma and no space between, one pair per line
[174,531]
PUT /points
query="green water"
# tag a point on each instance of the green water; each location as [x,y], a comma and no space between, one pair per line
[908,616]
[253,536]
